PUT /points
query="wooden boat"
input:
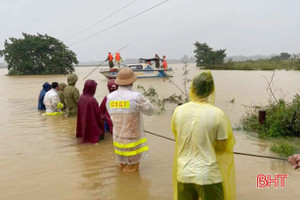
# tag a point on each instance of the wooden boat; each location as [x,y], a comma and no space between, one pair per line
[140,70]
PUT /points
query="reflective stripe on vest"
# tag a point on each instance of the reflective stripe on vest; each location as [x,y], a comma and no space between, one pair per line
[132,153]
[59,106]
[53,113]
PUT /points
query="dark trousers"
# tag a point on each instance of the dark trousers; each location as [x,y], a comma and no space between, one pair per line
[110,64]
[191,191]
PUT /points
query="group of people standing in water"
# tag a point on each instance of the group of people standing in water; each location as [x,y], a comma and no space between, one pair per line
[56,98]
[119,113]
[203,162]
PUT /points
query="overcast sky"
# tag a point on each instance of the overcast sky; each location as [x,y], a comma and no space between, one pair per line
[242,27]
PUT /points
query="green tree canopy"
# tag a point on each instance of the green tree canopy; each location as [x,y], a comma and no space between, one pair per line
[206,56]
[38,54]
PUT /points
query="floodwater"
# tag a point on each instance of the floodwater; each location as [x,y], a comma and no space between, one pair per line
[40,158]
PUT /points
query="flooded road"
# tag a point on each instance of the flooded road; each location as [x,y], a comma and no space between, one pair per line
[40,158]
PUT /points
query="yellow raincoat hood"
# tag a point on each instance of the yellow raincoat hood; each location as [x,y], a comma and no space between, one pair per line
[203,92]
[203,88]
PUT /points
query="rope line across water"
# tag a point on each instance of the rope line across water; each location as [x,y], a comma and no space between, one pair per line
[238,153]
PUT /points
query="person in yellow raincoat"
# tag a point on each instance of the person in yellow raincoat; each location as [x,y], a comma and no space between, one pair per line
[203,161]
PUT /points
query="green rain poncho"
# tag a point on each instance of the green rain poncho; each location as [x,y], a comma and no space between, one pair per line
[204,143]
[60,92]
[71,94]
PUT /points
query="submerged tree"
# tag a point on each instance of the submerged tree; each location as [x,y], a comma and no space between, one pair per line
[205,55]
[38,54]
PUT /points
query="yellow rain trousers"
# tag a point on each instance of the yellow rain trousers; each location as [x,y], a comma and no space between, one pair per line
[216,152]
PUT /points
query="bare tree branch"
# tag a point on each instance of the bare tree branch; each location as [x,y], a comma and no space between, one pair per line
[270,83]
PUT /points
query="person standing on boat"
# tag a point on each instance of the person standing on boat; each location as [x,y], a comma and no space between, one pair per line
[110,60]
[165,64]
[111,86]
[157,61]
[52,101]
[71,94]
[126,107]
[118,59]
[203,161]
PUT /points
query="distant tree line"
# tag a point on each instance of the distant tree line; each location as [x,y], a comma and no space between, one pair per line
[206,56]
[38,54]
[282,56]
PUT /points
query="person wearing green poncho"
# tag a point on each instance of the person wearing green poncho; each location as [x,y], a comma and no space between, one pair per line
[71,94]
[203,161]
[60,92]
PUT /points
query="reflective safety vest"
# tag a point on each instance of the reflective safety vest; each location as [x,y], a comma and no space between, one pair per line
[117,57]
[110,57]
[125,107]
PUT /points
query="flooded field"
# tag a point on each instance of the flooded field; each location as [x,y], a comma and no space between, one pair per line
[40,158]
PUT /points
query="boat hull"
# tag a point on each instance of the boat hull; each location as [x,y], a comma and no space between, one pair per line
[142,73]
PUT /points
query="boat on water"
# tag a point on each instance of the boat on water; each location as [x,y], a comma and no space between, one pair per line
[142,70]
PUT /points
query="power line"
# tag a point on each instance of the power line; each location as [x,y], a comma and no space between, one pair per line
[98,22]
[121,22]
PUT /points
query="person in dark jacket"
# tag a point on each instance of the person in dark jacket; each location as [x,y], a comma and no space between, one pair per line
[90,126]
[46,88]
[157,61]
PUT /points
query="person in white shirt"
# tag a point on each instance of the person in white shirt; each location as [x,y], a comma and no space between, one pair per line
[52,101]
[125,107]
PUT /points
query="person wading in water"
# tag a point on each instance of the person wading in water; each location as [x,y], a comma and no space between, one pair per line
[126,107]
[203,161]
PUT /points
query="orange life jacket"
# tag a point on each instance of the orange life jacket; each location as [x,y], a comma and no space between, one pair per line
[110,57]
[165,65]
[117,57]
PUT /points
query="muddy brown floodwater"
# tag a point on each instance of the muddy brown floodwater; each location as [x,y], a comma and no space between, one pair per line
[40,158]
